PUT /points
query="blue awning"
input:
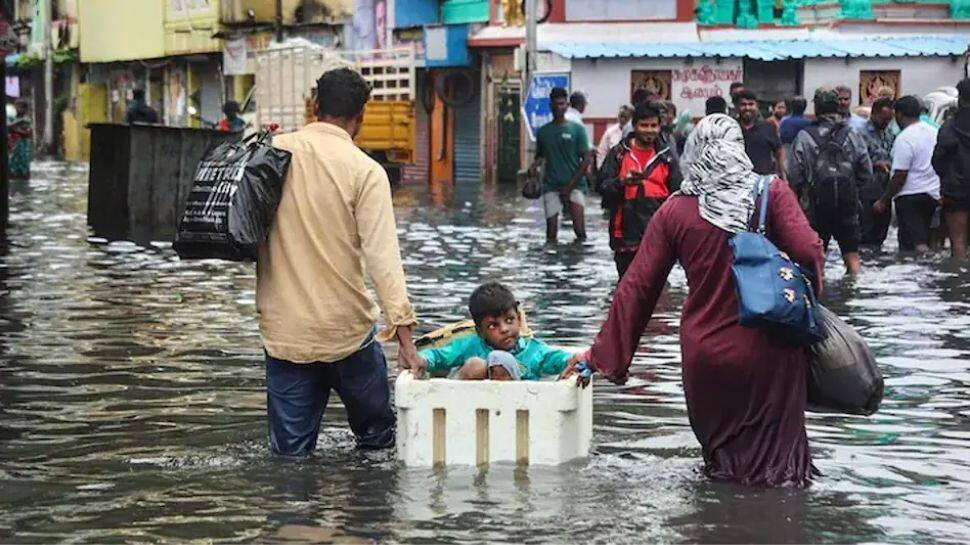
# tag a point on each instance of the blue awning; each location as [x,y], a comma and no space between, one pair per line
[772,50]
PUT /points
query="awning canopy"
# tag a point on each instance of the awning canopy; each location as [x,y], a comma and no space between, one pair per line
[772,50]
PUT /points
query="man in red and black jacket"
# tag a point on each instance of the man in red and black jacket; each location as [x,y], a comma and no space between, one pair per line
[636,178]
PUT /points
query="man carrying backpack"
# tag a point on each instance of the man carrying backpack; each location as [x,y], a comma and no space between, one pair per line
[830,162]
[951,160]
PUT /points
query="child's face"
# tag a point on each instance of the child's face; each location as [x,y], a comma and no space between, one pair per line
[501,332]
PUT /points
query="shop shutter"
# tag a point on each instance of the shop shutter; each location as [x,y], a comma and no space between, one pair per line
[468,154]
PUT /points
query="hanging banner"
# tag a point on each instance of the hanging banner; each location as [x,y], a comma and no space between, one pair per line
[234,54]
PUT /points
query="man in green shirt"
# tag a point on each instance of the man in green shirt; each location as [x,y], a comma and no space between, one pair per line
[564,148]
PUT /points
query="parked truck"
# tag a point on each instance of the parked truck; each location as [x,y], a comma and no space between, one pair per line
[284,94]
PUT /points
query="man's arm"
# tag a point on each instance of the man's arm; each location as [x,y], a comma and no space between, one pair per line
[778,151]
[780,167]
[902,160]
[896,184]
[580,172]
[609,186]
[374,214]
[539,157]
[582,142]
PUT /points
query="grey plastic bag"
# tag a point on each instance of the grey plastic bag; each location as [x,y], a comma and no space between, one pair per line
[843,377]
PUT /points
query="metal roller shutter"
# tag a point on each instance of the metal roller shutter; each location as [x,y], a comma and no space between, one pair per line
[468,159]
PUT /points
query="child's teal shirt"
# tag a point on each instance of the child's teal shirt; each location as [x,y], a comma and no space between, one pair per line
[535,358]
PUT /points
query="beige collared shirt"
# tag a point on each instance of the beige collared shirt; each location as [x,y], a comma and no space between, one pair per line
[335,218]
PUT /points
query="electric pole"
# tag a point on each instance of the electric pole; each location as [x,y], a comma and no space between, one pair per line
[48,80]
[531,23]
[278,21]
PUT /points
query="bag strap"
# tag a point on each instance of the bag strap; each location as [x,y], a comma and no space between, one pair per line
[762,188]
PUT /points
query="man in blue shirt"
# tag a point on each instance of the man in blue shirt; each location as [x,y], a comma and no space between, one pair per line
[879,136]
[794,123]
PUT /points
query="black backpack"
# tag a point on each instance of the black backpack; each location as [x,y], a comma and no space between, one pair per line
[834,168]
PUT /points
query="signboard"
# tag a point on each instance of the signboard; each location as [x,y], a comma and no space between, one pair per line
[535,109]
[234,57]
[691,86]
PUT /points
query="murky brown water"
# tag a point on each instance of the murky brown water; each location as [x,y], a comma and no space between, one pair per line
[132,402]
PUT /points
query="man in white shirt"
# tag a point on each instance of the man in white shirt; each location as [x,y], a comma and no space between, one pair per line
[613,134]
[914,186]
[577,105]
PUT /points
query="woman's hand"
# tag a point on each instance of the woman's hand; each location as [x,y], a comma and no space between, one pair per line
[582,370]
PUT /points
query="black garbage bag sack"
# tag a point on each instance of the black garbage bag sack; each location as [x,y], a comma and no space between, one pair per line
[843,377]
[234,197]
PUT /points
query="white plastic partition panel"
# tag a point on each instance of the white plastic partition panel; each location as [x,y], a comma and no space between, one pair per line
[443,421]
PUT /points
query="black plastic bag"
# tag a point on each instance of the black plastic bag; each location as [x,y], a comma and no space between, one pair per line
[843,377]
[235,193]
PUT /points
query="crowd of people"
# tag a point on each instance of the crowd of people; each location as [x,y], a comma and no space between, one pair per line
[852,170]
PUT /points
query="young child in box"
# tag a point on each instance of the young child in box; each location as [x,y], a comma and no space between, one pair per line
[497,351]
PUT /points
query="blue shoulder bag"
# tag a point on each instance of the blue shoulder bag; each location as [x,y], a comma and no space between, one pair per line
[773,292]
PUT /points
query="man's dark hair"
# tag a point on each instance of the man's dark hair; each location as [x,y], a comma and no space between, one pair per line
[577,99]
[734,85]
[798,105]
[490,299]
[963,91]
[558,92]
[880,104]
[138,95]
[715,105]
[341,93]
[670,107]
[745,94]
[645,110]
[908,106]
[641,95]
[230,108]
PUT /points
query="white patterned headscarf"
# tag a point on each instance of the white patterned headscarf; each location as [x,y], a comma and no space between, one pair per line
[718,171]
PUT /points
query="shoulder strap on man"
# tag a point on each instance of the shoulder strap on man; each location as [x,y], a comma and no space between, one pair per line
[813,132]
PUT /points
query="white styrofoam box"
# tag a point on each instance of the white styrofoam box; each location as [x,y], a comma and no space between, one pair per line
[472,422]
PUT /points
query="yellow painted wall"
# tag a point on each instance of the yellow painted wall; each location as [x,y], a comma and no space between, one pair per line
[91,107]
[241,86]
[120,30]
[189,29]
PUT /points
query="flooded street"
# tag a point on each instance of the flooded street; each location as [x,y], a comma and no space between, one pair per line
[132,406]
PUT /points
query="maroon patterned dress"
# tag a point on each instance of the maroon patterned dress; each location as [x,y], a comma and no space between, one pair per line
[745,389]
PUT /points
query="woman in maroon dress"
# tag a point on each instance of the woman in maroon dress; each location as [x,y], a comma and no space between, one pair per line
[745,389]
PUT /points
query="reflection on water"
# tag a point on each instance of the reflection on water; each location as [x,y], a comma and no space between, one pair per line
[131,400]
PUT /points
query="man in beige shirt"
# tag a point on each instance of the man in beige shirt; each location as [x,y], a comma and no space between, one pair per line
[316,316]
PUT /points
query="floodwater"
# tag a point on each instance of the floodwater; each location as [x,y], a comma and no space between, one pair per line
[132,401]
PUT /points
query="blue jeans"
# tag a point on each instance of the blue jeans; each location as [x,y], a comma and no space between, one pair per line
[297,394]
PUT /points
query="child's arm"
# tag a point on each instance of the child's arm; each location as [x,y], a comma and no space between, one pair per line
[550,361]
[446,357]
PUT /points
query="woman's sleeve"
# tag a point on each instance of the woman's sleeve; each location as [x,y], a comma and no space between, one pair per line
[634,300]
[789,229]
